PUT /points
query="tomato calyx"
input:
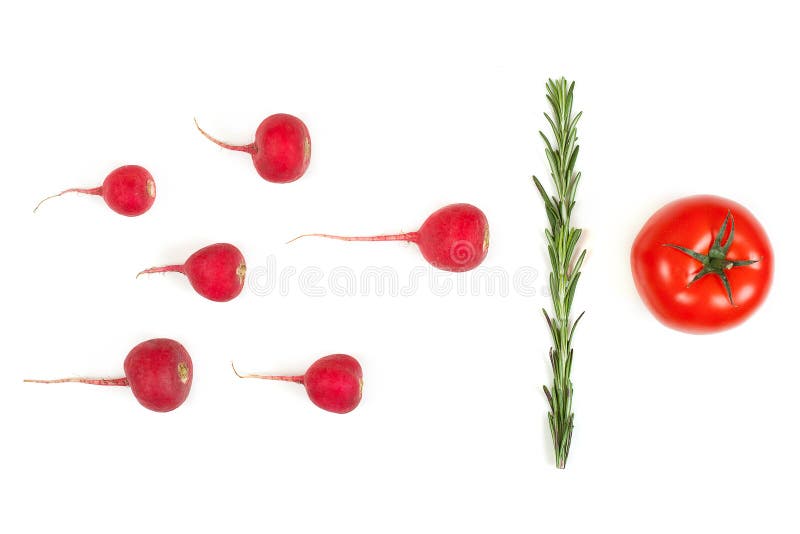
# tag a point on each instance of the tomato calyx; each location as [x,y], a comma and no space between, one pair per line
[716,261]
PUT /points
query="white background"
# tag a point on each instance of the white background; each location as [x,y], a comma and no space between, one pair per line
[410,108]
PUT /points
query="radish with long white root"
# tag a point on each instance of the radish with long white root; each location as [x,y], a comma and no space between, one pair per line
[158,371]
[216,272]
[281,150]
[334,383]
[454,238]
[129,190]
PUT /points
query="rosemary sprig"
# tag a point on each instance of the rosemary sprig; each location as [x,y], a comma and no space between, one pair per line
[562,240]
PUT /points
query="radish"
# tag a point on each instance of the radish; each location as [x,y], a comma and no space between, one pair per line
[129,190]
[281,151]
[216,272]
[333,383]
[454,238]
[158,371]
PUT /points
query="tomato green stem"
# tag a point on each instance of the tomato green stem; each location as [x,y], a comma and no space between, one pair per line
[716,261]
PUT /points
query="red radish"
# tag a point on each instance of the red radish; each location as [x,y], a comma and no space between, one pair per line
[217,271]
[454,238]
[333,383]
[159,372]
[281,151]
[129,190]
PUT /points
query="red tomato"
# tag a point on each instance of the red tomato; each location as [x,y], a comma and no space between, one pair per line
[687,250]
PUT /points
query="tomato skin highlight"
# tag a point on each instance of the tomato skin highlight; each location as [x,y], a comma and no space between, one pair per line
[663,276]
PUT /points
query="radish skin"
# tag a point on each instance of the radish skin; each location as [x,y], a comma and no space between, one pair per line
[454,238]
[334,383]
[281,151]
[158,371]
[217,272]
[128,190]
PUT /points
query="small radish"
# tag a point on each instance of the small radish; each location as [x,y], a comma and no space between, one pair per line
[129,190]
[158,371]
[333,383]
[454,238]
[216,272]
[281,151]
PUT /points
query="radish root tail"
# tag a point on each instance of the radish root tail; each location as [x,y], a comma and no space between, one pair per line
[408,236]
[250,149]
[295,379]
[90,191]
[93,381]
[164,269]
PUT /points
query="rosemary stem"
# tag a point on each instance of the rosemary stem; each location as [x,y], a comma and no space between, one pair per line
[562,240]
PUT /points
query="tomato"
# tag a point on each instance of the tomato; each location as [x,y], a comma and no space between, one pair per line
[702,264]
